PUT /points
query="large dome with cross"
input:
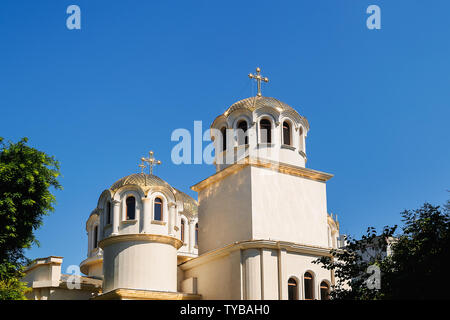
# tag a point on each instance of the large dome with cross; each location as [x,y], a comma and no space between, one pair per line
[262,127]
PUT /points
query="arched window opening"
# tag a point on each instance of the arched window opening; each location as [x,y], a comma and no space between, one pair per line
[292,289]
[95,237]
[196,234]
[286,133]
[182,230]
[242,132]
[131,208]
[266,131]
[224,138]
[158,214]
[108,212]
[324,291]
[309,286]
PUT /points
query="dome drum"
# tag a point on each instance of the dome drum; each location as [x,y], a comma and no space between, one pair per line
[261,127]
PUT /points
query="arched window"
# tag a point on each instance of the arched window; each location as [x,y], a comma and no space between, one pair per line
[242,126]
[286,133]
[131,208]
[108,212]
[158,213]
[266,131]
[292,289]
[95,237]
[309,286]
[196,234]
[324,291]
[182,230]
[224,138]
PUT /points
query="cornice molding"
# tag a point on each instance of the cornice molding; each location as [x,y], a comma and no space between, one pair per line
[133,294]
[256,244]
[268,164]
[141,237]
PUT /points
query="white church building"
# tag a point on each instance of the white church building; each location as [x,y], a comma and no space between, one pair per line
[257,226]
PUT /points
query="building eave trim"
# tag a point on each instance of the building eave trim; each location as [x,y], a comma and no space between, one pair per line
[263,163]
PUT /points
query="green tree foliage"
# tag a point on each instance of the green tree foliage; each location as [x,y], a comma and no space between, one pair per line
[416,267]
[26,176]
[350,265]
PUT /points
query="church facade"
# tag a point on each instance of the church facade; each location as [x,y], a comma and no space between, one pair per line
[259,222]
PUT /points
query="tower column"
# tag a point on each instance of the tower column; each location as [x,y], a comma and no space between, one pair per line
[171,218]
[147,208]
[101,223]
[116,217]
[191,234]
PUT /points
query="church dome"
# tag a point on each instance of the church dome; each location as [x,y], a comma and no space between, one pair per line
[140,179]
[252,104]
[257,102]
[147,181]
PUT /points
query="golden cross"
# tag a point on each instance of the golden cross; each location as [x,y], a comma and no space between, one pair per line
[142,166]
[258,79]
[151,162]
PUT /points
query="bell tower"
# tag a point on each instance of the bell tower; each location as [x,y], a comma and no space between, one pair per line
[261,189]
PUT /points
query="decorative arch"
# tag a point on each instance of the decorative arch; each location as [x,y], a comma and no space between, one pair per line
[130,207]
[308,285]
[293,288]
[106,195]
[286,132]
[164,206]
[268,111]
[266,123]
[324,289]
[137,194]
[242,125]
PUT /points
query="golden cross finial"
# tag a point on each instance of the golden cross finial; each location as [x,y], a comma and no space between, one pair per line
[151,162]
[142,166]
[258,79]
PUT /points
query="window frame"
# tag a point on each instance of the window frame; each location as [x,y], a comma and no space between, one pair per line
[289,133]
[126,208]
[296,287]
[311,286]
[238,123]
[327,288]
[161,205]
[269,133]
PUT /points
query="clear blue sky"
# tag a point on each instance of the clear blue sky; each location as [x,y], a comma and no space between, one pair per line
[99,98]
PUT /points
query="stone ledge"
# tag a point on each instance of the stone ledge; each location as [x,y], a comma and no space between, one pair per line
[135,294]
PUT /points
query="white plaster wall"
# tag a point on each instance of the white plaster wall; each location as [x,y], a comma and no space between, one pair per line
[219,279]
[257,203]
[288,208]
[270,274]
[224,213]
[251,262]
[255,273]
[296,265]
[140,265]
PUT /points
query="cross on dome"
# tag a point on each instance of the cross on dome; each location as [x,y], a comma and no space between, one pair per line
[258,79]
[151,161]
